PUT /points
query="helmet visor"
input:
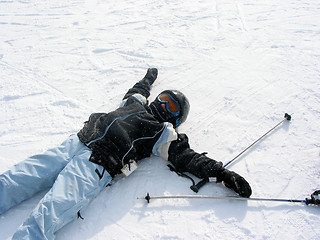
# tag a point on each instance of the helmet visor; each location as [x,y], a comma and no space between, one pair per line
[171,104]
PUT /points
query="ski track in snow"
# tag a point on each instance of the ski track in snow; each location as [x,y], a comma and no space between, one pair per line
[242,64]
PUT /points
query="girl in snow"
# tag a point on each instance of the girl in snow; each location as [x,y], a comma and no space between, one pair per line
[108,144]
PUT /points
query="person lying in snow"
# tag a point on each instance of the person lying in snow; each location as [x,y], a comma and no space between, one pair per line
[109,143]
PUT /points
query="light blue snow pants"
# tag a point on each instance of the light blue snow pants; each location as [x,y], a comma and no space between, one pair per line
[73,180]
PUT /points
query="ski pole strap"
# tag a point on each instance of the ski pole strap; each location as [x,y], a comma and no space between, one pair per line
[194,187]
[199,185]
[181,174]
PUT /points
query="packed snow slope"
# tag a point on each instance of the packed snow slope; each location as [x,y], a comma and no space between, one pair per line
[242,64]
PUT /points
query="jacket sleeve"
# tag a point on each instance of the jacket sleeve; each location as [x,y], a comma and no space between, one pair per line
[144,85]
[187,160]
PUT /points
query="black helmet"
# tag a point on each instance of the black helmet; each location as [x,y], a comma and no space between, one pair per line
[171,106]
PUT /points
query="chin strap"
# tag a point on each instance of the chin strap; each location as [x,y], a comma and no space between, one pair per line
[162,116]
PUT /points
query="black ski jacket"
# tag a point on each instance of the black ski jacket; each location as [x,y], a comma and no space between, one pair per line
[131,132]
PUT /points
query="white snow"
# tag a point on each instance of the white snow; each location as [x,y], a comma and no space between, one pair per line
[242,64]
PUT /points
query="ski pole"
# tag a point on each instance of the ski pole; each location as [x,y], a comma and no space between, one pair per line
[314,200]
[201,183]
[286,117]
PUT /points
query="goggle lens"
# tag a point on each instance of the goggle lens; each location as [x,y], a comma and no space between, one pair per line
[171,104]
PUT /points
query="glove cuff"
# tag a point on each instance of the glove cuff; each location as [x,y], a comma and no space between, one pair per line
[222,174]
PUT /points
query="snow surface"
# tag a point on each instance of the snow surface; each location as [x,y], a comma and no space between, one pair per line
[242,64]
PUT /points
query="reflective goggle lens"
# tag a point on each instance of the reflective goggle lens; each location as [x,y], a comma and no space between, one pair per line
[171,104]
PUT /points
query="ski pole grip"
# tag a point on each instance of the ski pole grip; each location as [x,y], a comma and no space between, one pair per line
[315,198]
[287,116]
[199,185]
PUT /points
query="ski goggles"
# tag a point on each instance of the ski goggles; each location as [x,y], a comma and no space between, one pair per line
[171,104]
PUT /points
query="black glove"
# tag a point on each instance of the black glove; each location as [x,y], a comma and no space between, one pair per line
[235,182]
[151,75]
[187,160]
[181,143]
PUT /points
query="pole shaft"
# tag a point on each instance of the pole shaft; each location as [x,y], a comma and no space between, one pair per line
[223,197]
[228,163]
